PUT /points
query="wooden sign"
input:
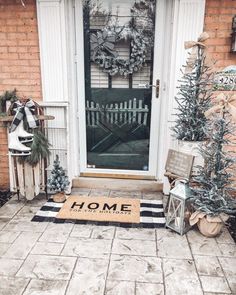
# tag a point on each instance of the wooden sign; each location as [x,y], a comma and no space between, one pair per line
[179,164]
[226,79]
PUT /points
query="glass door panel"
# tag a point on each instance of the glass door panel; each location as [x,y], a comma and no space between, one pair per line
[118,42]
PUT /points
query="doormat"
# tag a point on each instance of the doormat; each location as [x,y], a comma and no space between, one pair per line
[101,209]
[124,212]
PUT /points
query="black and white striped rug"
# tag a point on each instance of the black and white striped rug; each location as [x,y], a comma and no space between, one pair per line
[151,215]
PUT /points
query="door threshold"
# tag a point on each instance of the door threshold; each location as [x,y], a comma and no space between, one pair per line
[148,185]
[117,176]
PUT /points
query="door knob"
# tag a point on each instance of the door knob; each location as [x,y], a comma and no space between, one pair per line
[157,86]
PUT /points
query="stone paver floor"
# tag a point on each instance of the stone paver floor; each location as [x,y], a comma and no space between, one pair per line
[58,259]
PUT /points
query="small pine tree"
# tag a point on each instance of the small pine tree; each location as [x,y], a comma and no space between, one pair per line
[212,190]
[58,181]
[193,99]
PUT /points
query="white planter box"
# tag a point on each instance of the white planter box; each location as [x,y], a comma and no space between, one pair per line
[192,148]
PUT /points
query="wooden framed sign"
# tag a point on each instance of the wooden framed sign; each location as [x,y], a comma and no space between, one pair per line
[179,164]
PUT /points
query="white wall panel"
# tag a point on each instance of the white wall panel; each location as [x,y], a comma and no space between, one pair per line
[187,24]
[52,40]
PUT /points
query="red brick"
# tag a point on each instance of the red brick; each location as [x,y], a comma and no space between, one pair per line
[212,19]
[212,10]
[224,48]
[218,56]
[226,18]
[26,29]
[7,42]
[224,33]
[22,49]
[32,36]
[29,76]
[19,62]
[13,21]
[19,82]
[9,56]
[3,49]
[214,3]
[35,62]
[229,10]
[217,26]
[217,41]
[8,29]
[33,49]
[5,75]
[211,48]
[28,56]
[28,42]
[229,3]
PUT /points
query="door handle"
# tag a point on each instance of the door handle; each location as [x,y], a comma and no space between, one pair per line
[157,86]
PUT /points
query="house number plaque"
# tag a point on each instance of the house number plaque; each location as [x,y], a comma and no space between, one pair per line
[226,79]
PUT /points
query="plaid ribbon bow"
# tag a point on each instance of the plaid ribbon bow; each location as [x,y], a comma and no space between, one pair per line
[102,41]
[21,110]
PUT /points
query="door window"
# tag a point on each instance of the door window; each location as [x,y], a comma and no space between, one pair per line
[119,41]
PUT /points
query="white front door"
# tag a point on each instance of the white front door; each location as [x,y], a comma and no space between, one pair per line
[120,53]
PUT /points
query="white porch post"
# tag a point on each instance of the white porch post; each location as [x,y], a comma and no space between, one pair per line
[187,24]
[54,59]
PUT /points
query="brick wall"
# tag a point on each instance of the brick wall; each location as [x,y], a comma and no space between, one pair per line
[19,61]
[218,23]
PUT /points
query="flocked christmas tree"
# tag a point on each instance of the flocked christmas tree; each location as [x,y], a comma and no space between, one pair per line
[58,181]
[194,96]
[214,183]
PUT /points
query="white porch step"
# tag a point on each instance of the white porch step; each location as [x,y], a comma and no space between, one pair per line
[118,184]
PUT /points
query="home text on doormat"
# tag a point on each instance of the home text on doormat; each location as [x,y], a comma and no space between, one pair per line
[101,209]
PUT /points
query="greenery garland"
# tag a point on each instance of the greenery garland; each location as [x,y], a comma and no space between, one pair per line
[39,149]
[7,96]
[107,58]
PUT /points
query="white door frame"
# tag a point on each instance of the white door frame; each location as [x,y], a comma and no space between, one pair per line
[158,68]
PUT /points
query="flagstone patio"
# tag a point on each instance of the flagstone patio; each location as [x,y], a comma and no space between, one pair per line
[46,258]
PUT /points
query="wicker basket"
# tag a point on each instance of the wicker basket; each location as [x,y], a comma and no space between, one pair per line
[59,198]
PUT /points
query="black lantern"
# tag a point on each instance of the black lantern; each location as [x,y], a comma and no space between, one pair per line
[233,35]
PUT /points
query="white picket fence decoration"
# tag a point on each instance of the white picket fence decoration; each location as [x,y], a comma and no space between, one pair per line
[131,111]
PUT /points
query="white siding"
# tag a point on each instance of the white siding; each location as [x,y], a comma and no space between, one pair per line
[52,41]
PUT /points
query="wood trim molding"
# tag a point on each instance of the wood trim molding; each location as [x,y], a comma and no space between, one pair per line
[116,176]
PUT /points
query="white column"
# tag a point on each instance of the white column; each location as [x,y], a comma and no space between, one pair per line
[54,60]
[53,57]
[187,24]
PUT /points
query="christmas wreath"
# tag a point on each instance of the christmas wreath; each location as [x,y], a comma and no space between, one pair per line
[106,57]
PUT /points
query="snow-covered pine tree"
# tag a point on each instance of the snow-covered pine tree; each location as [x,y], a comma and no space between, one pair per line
[58,181]
[193,99]
[214,181]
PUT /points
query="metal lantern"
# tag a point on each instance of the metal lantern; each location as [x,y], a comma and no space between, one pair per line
[179,208]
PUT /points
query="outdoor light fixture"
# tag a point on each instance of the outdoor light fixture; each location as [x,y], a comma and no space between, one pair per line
[179,208]
[233,35]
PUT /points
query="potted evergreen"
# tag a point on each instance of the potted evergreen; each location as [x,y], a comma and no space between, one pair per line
[193,100]
[212,191]
[58,181]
